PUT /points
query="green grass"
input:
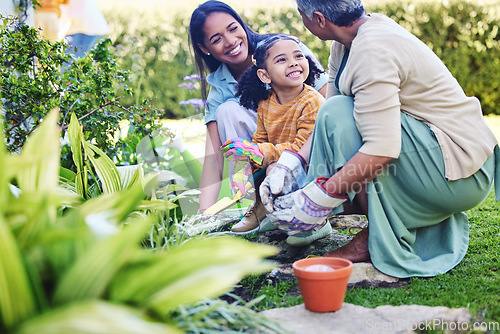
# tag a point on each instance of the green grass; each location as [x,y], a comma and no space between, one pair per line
[278,295]
[473,284]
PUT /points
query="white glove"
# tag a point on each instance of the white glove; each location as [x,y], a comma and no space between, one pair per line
[176,143]
[306,208]
[287,175]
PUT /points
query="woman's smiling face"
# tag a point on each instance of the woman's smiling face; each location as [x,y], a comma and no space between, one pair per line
[225,39]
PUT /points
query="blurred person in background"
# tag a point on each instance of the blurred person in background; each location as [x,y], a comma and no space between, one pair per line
[86,24]
[48,17]
[22,9]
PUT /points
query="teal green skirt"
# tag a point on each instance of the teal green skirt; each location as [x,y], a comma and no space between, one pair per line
[416,216]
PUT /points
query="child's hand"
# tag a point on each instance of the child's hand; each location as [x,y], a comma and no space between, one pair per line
[287,176]
[240,149]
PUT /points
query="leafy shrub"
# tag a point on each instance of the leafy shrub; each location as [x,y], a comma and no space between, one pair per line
[157,54]
[464,35]
[37,75]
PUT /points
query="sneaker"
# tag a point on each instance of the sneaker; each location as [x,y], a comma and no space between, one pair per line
[305,238]
[251,219]
[268,224]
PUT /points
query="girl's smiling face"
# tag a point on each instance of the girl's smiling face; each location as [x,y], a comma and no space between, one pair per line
[226,40]
[286,66]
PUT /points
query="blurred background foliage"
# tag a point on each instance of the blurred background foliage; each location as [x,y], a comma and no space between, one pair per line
[152,41]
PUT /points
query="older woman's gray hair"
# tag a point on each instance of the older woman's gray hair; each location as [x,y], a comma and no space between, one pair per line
[341,12]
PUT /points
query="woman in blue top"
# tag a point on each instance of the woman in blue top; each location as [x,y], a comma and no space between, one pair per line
[223,46]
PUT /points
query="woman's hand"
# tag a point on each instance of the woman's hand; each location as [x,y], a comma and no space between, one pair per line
[242,149]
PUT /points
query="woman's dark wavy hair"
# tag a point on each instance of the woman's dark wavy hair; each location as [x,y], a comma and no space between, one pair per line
[207,64]
[250,89]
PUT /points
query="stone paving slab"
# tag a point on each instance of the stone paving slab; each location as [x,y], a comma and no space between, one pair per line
[366,275]
[380,320]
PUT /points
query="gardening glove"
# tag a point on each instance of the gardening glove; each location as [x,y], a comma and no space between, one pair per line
[242,172]
[288,175]
[176,143]
[307,208]
[241,149]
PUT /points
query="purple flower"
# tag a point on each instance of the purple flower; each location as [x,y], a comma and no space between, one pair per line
[196,103]
[187,85]
[192,77]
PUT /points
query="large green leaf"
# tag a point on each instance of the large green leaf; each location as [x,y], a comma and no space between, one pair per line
[36,173]
[118,205]
[104,167]
[67,179]
[90,275]
[156,205]
[75,136]
[42,151]
[199,268]
[16,298]
[61,245]
[130,174]
[94,317]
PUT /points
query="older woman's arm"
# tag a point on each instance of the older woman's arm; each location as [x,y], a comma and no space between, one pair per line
[359,170]
[304,209]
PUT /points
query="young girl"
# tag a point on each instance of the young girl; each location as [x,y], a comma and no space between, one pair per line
[277,85]
[223,45]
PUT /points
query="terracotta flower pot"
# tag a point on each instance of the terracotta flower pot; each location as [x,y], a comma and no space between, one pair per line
[324,290]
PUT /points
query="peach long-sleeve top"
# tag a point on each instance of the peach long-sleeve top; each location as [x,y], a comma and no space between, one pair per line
[286,126]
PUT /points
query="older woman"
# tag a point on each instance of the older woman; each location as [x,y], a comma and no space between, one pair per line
[397,139]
